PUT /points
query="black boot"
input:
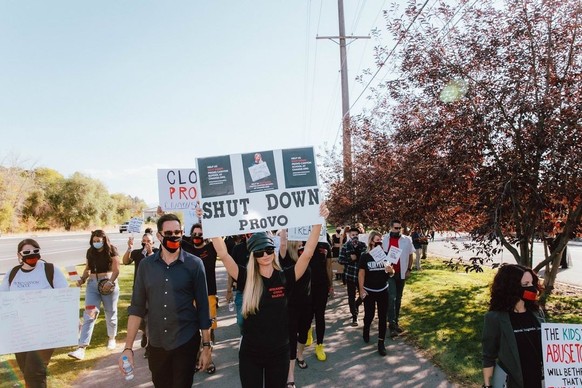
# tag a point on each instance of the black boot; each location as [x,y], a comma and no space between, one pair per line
[381,348]
[366,334]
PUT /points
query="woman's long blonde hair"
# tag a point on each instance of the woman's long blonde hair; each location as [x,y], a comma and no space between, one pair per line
[254,286]
[371,239]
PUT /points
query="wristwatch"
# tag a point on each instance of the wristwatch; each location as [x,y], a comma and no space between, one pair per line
[206,345]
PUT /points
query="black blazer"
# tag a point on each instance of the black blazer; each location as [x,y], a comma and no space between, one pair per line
[499,344]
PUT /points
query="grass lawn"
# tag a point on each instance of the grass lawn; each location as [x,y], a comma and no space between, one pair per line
[441,310]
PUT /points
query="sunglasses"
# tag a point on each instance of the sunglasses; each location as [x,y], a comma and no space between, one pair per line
[197,234]
[169,233]
[397,227]
[29,252]
[261,252]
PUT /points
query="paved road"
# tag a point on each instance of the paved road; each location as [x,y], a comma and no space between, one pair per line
[443,247]
[350,362]
[63,249]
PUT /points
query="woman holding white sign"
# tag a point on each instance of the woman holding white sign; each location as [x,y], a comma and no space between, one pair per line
[33,274]
[512,341]
[374,271]
[264,348]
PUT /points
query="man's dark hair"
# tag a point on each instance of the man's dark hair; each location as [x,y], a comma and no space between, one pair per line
[196,225]
[395,221]
[354,229]
[167,217]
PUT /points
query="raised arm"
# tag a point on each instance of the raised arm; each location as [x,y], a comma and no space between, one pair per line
[283,242]
[303,260]
[229,263]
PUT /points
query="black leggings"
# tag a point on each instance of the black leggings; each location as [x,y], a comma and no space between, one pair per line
[352,287]
[319,302]
[299,323]
[374,299]
[254,368]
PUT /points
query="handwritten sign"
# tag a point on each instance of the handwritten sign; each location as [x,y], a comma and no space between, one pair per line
[177,188]
[39,319]
[258,191]
[302,233]
[562,355]
[135,225]
[394,254]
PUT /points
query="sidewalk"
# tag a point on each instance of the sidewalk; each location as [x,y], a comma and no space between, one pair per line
[350,361]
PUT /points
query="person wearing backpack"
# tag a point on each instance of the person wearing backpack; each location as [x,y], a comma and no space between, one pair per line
[33,273]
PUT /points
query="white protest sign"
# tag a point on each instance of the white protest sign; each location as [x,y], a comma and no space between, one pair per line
[364,237]
[378,254]
[236,200]
[177,188]
[394,254]
[135,225]
[39,319]
[562,355]
[72,272]
[302,233]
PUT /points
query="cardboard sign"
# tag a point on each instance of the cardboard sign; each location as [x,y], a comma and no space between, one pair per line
[302,233]
[39,319]
[239,197]
[135,225]
[378,254]
[177,189]
[394,254]
[562,355]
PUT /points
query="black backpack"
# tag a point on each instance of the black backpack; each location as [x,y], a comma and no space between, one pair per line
[49,270]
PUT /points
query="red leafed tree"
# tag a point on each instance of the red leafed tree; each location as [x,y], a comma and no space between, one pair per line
[481,129]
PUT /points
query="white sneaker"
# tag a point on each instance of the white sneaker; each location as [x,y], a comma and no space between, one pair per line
[111,344]
[79,354]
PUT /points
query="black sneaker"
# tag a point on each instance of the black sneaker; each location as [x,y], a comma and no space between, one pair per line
[381,348]
[354,322]
[398,329]
[366,334]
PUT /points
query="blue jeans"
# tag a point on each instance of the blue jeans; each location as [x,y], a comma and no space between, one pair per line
[395,289]
[94,298]
[238,299]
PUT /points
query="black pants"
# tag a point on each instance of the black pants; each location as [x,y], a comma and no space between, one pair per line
[270,368]
[33,366]
[373,300]
[319,294]
[299,323]
[174,368]
[352,287]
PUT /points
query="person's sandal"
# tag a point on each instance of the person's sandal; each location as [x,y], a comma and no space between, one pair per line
[211,369]
[302,364]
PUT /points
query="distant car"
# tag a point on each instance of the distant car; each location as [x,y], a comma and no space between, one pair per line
[123,227]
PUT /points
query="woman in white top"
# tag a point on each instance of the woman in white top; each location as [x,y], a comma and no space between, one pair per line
[33,274]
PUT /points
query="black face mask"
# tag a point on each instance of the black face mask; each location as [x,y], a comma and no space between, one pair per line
[338,231]
[31,259]
[142,245]
[355,239]
[172,244]
[529,293]
[395,234]
[378,244]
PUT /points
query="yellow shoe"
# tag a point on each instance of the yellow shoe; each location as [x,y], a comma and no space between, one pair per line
[320,353]
[309,337]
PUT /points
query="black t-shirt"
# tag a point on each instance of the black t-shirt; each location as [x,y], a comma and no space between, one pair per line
[528,335]
[301,294]
[376,277]
[208,255]
[100,261]
[136,256]
[318,265]
[267,331]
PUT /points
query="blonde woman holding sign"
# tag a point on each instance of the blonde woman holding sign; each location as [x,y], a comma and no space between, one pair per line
[264,349]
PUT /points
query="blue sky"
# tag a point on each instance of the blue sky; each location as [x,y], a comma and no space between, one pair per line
[118,89]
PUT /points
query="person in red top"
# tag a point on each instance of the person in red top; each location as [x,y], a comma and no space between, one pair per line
[403,246]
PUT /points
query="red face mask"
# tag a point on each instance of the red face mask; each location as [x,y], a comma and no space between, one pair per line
[530,293]
[198,240]
[31,259]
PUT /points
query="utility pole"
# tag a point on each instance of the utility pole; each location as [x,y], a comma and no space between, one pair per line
[346,122]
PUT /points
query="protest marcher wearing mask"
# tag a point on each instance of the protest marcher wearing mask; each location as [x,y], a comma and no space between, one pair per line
[33,274]
[264,348]
[171,286]
[349,257]
[512,329]
[204,249]
[402,270]
[321,290]
[136,256]
[373,285]
[102,265]
[336,240]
